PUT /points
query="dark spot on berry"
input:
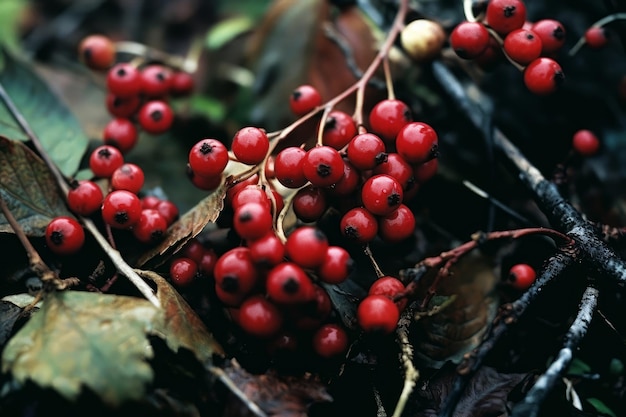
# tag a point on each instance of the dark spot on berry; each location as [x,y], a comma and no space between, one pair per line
[530,36]
[434,152]
[406,114]
[121,72]
[462,53]
[56,237]
[156,236]
[296,95]
[351,232]
[156,115]
[121,217]
[512,277]
[206,148]
[291,286]
[161,77]
[246,216]
[87,53]
[559,78]
[380,158]
[509,11]
[117,102]
[104,153]
[331,124]
[323,170]
[558,33]
[393,199]
[230,284]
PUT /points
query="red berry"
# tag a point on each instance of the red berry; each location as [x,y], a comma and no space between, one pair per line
[469,39]
[120,133]
[339,129]
[104,160]
[151,227]
[366,151]
[389,287]
[122,107]
[181,84]
[427,170]
[306,246]
[378,313]
[596,37]
[322,166]
[121,209]
[207,262]
[235,273]
[128,177]
[330,341]
[388,117]
[491,57]
[252,193]
[238,186]
[304,99]
[543,76]
[522,46]
[417,142]
[64,235]
[193,249]
[203,183]
[250,145]
[97,52]
[397,226]
[85,198]
[168,210]
[336,266]
[381,194]
[156,117]
[552,34]
[268,250]
[359,225]
[149,202]
[287,283]
[309,204]
[252,221]
[183,271]
[155,81]
[123,80]
[585,142]
[349,182]
[208,158]
[396,167]
[311,315]
[288,167]
[260,317]
[522,276]
[230,299]
[505,16]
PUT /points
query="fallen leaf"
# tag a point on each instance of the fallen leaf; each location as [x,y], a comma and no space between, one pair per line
[86,339]
[28,188]
[9,315]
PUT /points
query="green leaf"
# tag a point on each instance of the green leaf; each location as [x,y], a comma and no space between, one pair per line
[578,367]
[58,130]
[86,339]
[601,407]
[28,188]
[10,11]
[226,30]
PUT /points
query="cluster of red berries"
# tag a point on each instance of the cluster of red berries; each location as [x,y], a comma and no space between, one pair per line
[137,94]
[505,30]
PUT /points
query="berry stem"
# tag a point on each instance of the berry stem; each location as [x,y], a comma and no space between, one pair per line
[599,23]
[368,251]
[468,12]
[280,220]
[151,54]
[500,41]
[322,125]
[391,95]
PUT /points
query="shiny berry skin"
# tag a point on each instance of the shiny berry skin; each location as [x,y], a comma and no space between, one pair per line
[287,283]
[522,46]
[395,166]
[181,84]
[306,246]
[424,172]
[422,39]
[543,76]
[203,183]
[252,193]
[339,129]
[207,262]
[151,227]
[120,133]
[235,272]
[349,182]
[309,204]
[505,16]
[381,194]
[310,315]
[397,226]
[268,250]
[64,235]
[417,142]
[129,177]
[322,166]
[123,80]
[585,142]
[522,276]
[183,271]
[230,299]
[330,340]
[208,158]
[122,107]
[121,209]
[260,317]
[149,202]
[552,35]
[388,117]
[168,210]
[378,313]
[469,39]
[97,52]
[250,145]
[104,160]
[288,167]
[85,198]
[336,266]
[596,37]
[238,186]
[389,287]
[193,249]
[252,220]
[359,225]
[491,57]
[156,117]
[155,81]
[304,99]
[365,151]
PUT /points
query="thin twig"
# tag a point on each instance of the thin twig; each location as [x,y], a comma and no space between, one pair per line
[411,374]
[599,23]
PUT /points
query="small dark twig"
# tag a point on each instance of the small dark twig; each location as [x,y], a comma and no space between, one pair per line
[529,406]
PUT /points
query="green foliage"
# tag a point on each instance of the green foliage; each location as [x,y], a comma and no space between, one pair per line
[601,407]
[10,11]
[226,30]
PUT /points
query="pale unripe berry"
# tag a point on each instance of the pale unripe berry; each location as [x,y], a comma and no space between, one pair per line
[422,39]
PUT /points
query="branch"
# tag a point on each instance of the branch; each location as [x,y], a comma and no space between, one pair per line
[529,407]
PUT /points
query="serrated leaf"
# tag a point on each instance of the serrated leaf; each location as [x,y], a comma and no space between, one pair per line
[182,326]
[28,188]
[58,130]
[187,227]
[86,339]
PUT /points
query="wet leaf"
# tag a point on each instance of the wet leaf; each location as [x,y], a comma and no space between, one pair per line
[182,326]
[28,188]
[86,339]
[186,228]
[58,130]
